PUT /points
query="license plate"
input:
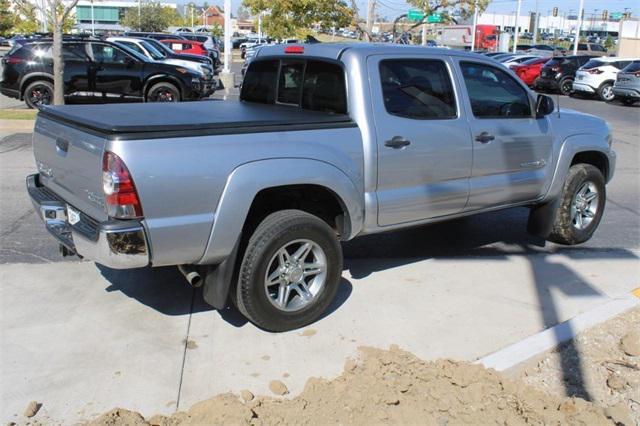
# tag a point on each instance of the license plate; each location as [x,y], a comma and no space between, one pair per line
[73,215]
[580,77]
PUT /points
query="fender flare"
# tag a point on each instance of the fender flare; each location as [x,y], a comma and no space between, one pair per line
[542,216]
[30,76]
[247,180]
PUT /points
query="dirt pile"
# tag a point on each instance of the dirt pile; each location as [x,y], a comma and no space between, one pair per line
[602,363]
[390,387]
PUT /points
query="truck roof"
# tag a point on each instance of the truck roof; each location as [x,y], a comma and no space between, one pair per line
[336,50]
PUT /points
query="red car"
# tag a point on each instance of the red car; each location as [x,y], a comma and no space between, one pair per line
[529,70]
[186,46]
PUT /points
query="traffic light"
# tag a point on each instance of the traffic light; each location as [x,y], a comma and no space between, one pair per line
[555,12]
[605,15]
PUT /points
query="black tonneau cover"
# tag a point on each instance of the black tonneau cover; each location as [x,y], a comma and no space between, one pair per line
[161,120]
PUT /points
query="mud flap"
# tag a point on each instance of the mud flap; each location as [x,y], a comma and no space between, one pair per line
[542,217]
[218,280]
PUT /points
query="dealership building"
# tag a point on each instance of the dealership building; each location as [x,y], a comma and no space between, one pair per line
[106,15]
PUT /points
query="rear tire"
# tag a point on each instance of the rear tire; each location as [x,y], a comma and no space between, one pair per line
[279,291]
[628,101]
[163,92]
[581,205]
[605,92]
[38,93]
[566,86]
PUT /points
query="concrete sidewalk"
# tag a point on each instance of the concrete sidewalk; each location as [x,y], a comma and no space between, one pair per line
[82,339]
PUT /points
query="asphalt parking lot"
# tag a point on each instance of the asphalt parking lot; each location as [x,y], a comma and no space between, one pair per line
[82,339]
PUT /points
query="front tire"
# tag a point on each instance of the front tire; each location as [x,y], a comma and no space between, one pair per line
[290,272]
[581,206]
[163,92]
[38,93]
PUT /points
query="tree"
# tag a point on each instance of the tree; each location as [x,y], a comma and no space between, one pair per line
[243,13]
[217,31]
[24,17]
[609,43]
[153,17]
[7,17]
[293,18]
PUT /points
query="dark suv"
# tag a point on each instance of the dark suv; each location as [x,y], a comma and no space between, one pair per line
[97,71]
[558,74]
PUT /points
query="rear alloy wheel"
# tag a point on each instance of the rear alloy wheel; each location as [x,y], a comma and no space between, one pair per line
[38,93]
[606,92]
[163,92]
[290,272]
[566,86]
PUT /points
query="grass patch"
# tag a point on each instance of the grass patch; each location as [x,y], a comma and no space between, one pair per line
[18,114]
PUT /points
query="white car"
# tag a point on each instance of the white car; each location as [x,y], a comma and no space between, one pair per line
[516,59]
[150,51]
[598,75]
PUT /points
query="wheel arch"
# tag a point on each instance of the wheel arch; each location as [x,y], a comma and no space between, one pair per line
[256,189]
[162,78]
[30,78]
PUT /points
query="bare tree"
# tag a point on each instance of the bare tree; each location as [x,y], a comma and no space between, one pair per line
[56,12]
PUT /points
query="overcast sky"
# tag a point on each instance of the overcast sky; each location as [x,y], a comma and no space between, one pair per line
[393,8]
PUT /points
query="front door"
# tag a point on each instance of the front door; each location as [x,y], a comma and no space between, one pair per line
[423,140]
[76,70]
[512,149]
[117,75]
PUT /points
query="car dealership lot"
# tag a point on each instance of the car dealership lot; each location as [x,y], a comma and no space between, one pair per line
[81,339]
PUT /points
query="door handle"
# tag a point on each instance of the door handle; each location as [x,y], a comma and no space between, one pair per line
[485,137]
[397,142]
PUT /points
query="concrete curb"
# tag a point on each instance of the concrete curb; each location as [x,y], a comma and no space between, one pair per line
[554,336]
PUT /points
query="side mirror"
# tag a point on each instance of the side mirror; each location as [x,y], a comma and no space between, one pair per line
[544,106]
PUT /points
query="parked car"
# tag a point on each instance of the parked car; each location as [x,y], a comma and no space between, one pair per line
[558,74]
[597,76]
[187,46]
[155,36]
[96,71]
[516,59]
[589,49]
[201,185]
[529,71]
[627,85]
[209,43]
[545,50]
[171,54]
[145,48]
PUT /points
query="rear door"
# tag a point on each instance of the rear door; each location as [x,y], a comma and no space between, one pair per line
[511,148]
[423,140]
[76,69]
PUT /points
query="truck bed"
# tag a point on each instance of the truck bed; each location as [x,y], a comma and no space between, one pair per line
[162,120]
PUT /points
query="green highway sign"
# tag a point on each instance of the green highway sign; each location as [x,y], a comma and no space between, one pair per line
[415,15]
[435,18]
[615,15]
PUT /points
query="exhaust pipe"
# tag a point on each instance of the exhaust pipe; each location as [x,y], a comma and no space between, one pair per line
[192,275]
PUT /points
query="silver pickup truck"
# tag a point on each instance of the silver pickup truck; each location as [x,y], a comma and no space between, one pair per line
[328,142]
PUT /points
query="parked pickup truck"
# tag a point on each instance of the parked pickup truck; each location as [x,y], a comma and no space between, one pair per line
[327,143]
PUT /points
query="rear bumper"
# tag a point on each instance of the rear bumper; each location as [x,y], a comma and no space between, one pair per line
[626,93]
[117,244]
[11,93]
[582,87]
[546,83]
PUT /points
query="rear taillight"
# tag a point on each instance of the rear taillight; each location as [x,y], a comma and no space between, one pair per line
[555,68]
[13,60]
[595,71]
[636,74]
[120,192]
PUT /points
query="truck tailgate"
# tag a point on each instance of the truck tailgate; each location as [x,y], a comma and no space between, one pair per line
[70,164]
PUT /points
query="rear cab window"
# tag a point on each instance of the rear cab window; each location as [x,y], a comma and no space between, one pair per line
[310,84]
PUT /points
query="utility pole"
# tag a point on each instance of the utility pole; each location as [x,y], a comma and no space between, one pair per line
[371,7]
[576,40]
[475,24]
[93,21]
[517,27]
[193,12]
[139,15]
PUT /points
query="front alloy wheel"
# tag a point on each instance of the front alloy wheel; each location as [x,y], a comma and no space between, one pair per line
[584,206]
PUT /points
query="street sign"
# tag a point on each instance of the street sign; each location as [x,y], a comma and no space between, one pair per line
[616,16]
[415,15]
[436,18]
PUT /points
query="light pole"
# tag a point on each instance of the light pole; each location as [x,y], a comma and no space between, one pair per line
[93,21]
[517,27]
[576,39]
[475,24]
[139,15]
[536,21]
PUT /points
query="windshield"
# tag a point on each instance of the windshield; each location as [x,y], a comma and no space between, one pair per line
[593,63]
[535,61]
[159,46]
[155,53]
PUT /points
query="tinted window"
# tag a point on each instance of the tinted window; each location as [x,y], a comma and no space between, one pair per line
[74,52]
[260,82]
[313,85]
[598,48]
[583,60]
[621,64]
[419,89]
[494,93]
[108,54]
[594,63]
[132,46]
